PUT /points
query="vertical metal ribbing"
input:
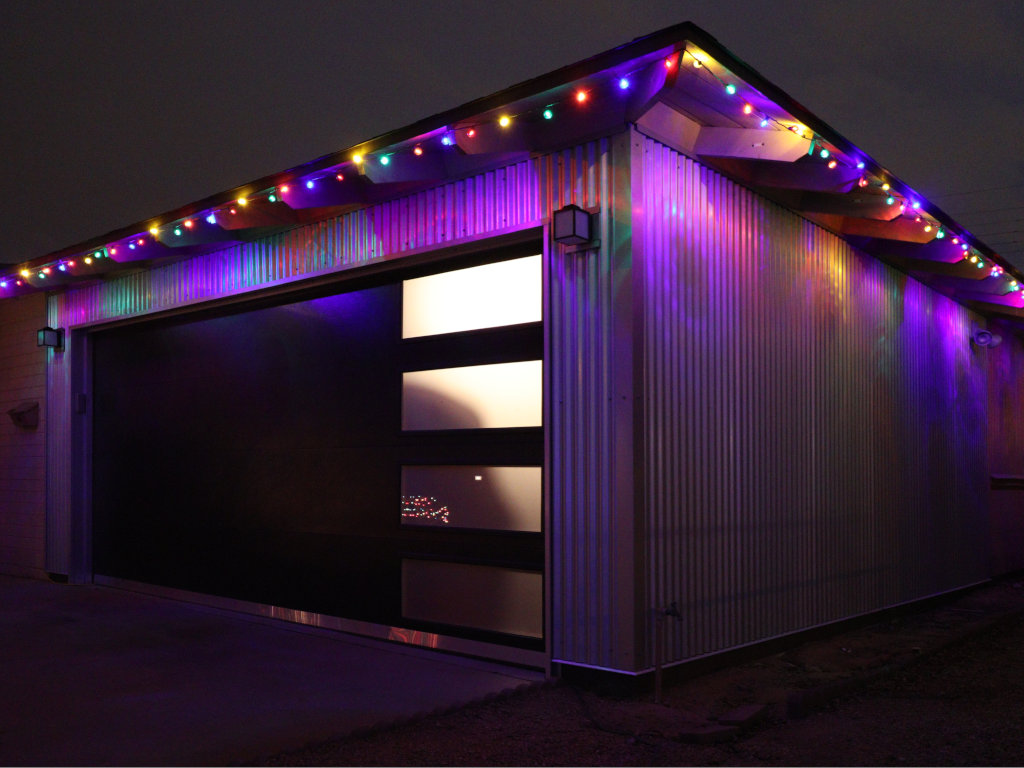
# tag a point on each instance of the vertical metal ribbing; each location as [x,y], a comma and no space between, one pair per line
[813,428]
[489,202]
[591,608]
[590,406]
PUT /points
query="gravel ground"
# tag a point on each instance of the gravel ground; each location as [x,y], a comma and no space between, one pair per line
[944,689]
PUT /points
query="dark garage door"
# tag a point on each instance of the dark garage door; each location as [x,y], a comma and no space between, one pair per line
[303,455]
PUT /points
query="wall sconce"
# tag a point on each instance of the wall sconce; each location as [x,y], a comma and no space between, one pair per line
[25,416]
[983,338]
[50,337]
[572,225]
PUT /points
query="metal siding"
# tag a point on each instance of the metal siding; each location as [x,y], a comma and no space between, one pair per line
[813,421]
[475,207]
[590,407]
[591,536]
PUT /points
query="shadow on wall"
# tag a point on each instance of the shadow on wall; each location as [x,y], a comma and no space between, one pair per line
[506,498]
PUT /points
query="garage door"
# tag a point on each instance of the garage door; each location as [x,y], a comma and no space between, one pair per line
[374,454]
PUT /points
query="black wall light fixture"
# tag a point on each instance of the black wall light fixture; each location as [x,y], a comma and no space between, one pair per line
[50,337]
[572,225]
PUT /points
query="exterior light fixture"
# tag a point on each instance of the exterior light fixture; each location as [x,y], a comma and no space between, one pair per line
[572,225]
[983,338]
[50,337]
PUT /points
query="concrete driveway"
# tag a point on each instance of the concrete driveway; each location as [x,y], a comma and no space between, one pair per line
[96,676]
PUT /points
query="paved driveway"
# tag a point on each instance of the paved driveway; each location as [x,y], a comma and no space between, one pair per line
[95,676]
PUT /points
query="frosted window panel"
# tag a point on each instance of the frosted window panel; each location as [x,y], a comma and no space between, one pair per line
[491,498]
[492,295]
[473,397]
[505,600]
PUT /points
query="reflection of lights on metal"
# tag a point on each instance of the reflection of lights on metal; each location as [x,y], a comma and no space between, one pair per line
[478,477]
[416,507]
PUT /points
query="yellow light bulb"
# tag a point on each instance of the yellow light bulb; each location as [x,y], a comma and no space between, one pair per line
[885,187]
[154,231]
[357,158]
[504,121]
[242,201]
[24,273]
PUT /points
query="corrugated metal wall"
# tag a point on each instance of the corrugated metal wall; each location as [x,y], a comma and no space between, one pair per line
[502,200]
[590,424]
[591,601]
[814,421]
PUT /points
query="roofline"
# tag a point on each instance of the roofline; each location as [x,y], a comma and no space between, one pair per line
[675,36]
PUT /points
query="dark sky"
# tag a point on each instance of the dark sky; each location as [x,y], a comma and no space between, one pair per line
[117,111]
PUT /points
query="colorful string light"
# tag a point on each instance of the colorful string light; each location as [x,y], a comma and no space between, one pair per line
[620,82]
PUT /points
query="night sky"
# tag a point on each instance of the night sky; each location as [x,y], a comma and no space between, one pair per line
[117,111]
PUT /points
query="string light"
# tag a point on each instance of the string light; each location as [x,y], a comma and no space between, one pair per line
[580,96]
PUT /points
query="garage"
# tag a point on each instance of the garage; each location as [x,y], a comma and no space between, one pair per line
[370,451]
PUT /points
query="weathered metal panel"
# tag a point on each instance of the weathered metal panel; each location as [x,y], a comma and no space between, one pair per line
[814,421]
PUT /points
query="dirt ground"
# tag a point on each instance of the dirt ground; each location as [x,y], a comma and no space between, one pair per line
[937,687]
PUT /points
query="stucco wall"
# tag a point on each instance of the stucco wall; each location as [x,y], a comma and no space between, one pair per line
[22,451]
